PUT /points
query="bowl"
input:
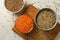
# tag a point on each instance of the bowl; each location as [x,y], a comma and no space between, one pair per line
[24,24]
[20,10]
[53,25]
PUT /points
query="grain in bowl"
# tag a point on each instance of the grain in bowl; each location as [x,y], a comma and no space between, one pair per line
[45,19]
[24,24]
[14,5]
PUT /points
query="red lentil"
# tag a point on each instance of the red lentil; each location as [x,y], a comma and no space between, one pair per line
[24,23]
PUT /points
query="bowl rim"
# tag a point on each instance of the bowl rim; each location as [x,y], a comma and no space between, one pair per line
[42,10]
[18,10]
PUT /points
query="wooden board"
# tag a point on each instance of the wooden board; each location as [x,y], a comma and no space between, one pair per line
[36,33]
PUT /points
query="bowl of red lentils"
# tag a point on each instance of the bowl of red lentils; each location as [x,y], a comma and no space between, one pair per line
[24,24]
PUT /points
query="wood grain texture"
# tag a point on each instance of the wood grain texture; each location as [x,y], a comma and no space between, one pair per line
[36,33]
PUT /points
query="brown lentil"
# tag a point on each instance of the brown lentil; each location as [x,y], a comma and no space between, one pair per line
[13,5]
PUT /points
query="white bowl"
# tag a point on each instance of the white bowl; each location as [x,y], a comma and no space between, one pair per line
[21,9]
[54,23]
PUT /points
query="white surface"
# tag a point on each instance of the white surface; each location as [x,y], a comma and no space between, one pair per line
[7,18]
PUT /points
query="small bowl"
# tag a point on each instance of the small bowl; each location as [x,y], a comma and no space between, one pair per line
[35,18]
[21,9]
[20,28]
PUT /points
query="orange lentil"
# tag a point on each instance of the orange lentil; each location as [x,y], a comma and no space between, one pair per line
[24,23]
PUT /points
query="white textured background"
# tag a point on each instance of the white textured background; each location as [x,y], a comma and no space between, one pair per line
[7,19]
